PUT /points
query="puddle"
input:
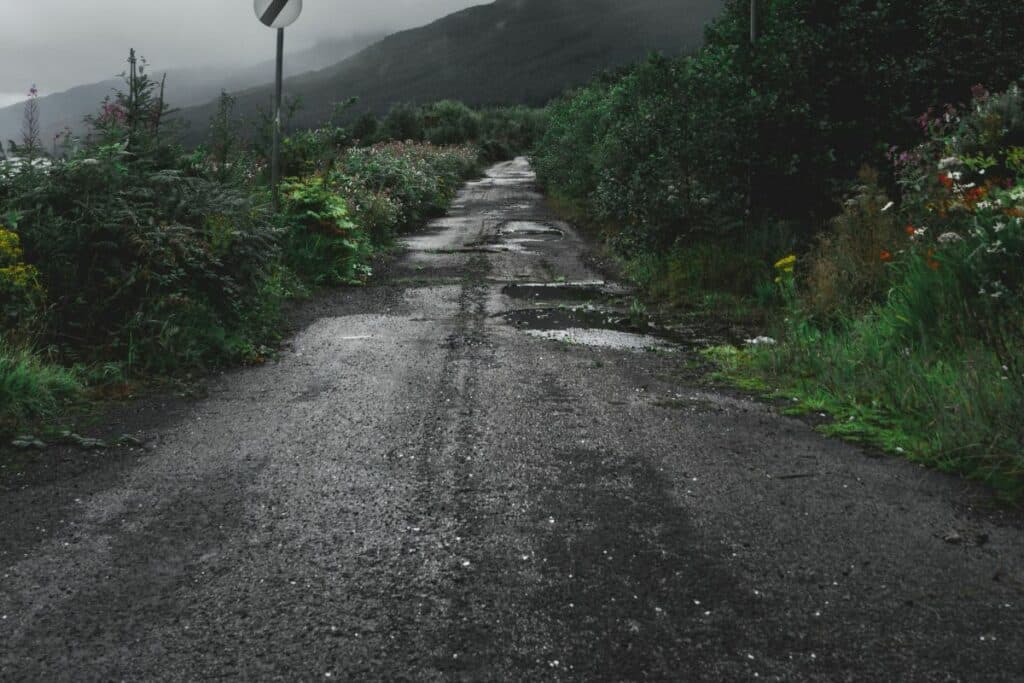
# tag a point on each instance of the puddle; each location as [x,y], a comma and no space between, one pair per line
[592,327]
[605,339]
[591,290]
[535,232]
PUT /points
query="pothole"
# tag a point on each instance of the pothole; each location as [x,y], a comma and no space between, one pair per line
[591,326]
[530,231]
[592,290]
[606,339]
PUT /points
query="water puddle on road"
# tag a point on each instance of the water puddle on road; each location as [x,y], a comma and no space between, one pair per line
[591,326]
[584,291]
[597,313]
[530,231]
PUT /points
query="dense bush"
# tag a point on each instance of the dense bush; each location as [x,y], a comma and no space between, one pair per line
[321,245]
[144,255]
[499,133]
[935,368]
[738,139]
[133,253]
[418,180]
[21,294]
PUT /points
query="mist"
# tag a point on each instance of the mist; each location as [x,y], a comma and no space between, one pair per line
[57,44]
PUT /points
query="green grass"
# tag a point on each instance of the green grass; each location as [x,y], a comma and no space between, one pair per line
[954,409]
[31,388]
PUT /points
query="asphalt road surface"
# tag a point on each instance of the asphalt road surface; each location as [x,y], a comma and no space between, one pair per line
[445,477]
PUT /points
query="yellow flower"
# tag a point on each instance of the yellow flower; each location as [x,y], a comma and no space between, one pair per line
[787,264]
[10,247]
[20,276]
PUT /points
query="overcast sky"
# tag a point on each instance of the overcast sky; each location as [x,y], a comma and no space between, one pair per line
[58,44]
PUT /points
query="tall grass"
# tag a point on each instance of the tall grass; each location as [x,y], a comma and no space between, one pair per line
[956,408]
[31,388]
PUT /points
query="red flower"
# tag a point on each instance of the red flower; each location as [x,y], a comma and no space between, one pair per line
[975,195]
[886,256]
[946,181]
[910,229]
[932,263]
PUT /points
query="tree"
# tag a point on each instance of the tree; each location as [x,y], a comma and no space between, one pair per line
[31,144]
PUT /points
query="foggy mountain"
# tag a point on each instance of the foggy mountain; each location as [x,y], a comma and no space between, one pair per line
[507,52]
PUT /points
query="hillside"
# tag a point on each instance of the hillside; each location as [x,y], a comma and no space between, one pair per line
[185,87]
[510,51]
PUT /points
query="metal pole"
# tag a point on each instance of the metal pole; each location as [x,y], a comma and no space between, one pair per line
[754,21]
[275,162]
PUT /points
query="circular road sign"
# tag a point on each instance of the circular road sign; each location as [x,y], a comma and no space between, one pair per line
[278,13]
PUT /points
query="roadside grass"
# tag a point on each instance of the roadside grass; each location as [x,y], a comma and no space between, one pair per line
[957,413]
[32,388]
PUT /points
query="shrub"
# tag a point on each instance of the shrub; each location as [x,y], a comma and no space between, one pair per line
[738,139]
[849,265]
[403,123]
[935,368]
[419,179]
[450,123]
[321,244]
[21,295]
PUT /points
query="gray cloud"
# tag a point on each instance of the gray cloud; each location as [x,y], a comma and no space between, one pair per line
[61,43]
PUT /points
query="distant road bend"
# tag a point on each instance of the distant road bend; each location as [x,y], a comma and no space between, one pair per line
[460,472]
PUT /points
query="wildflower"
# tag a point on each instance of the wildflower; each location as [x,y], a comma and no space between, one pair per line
[886,256]
[947,162]
[786,265]
[932,263]
[888,206]
[910,229]
[949,238]
[946,181]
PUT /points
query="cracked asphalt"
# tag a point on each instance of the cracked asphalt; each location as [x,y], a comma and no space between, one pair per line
[420,489]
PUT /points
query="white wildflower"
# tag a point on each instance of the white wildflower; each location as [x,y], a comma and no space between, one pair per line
[950,238]
[947,162]
[888,206]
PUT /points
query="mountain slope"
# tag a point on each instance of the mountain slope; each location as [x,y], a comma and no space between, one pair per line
[510,51]
[185,87]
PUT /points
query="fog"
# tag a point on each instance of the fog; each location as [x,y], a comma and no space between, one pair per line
[58,44]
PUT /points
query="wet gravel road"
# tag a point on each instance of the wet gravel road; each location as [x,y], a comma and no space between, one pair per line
[430,485]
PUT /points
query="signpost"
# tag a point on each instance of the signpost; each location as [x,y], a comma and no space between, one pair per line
[277,14]
[754,21]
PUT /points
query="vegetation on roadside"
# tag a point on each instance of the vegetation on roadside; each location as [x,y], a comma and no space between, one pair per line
[800,174]
[129,253]
[911,331]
